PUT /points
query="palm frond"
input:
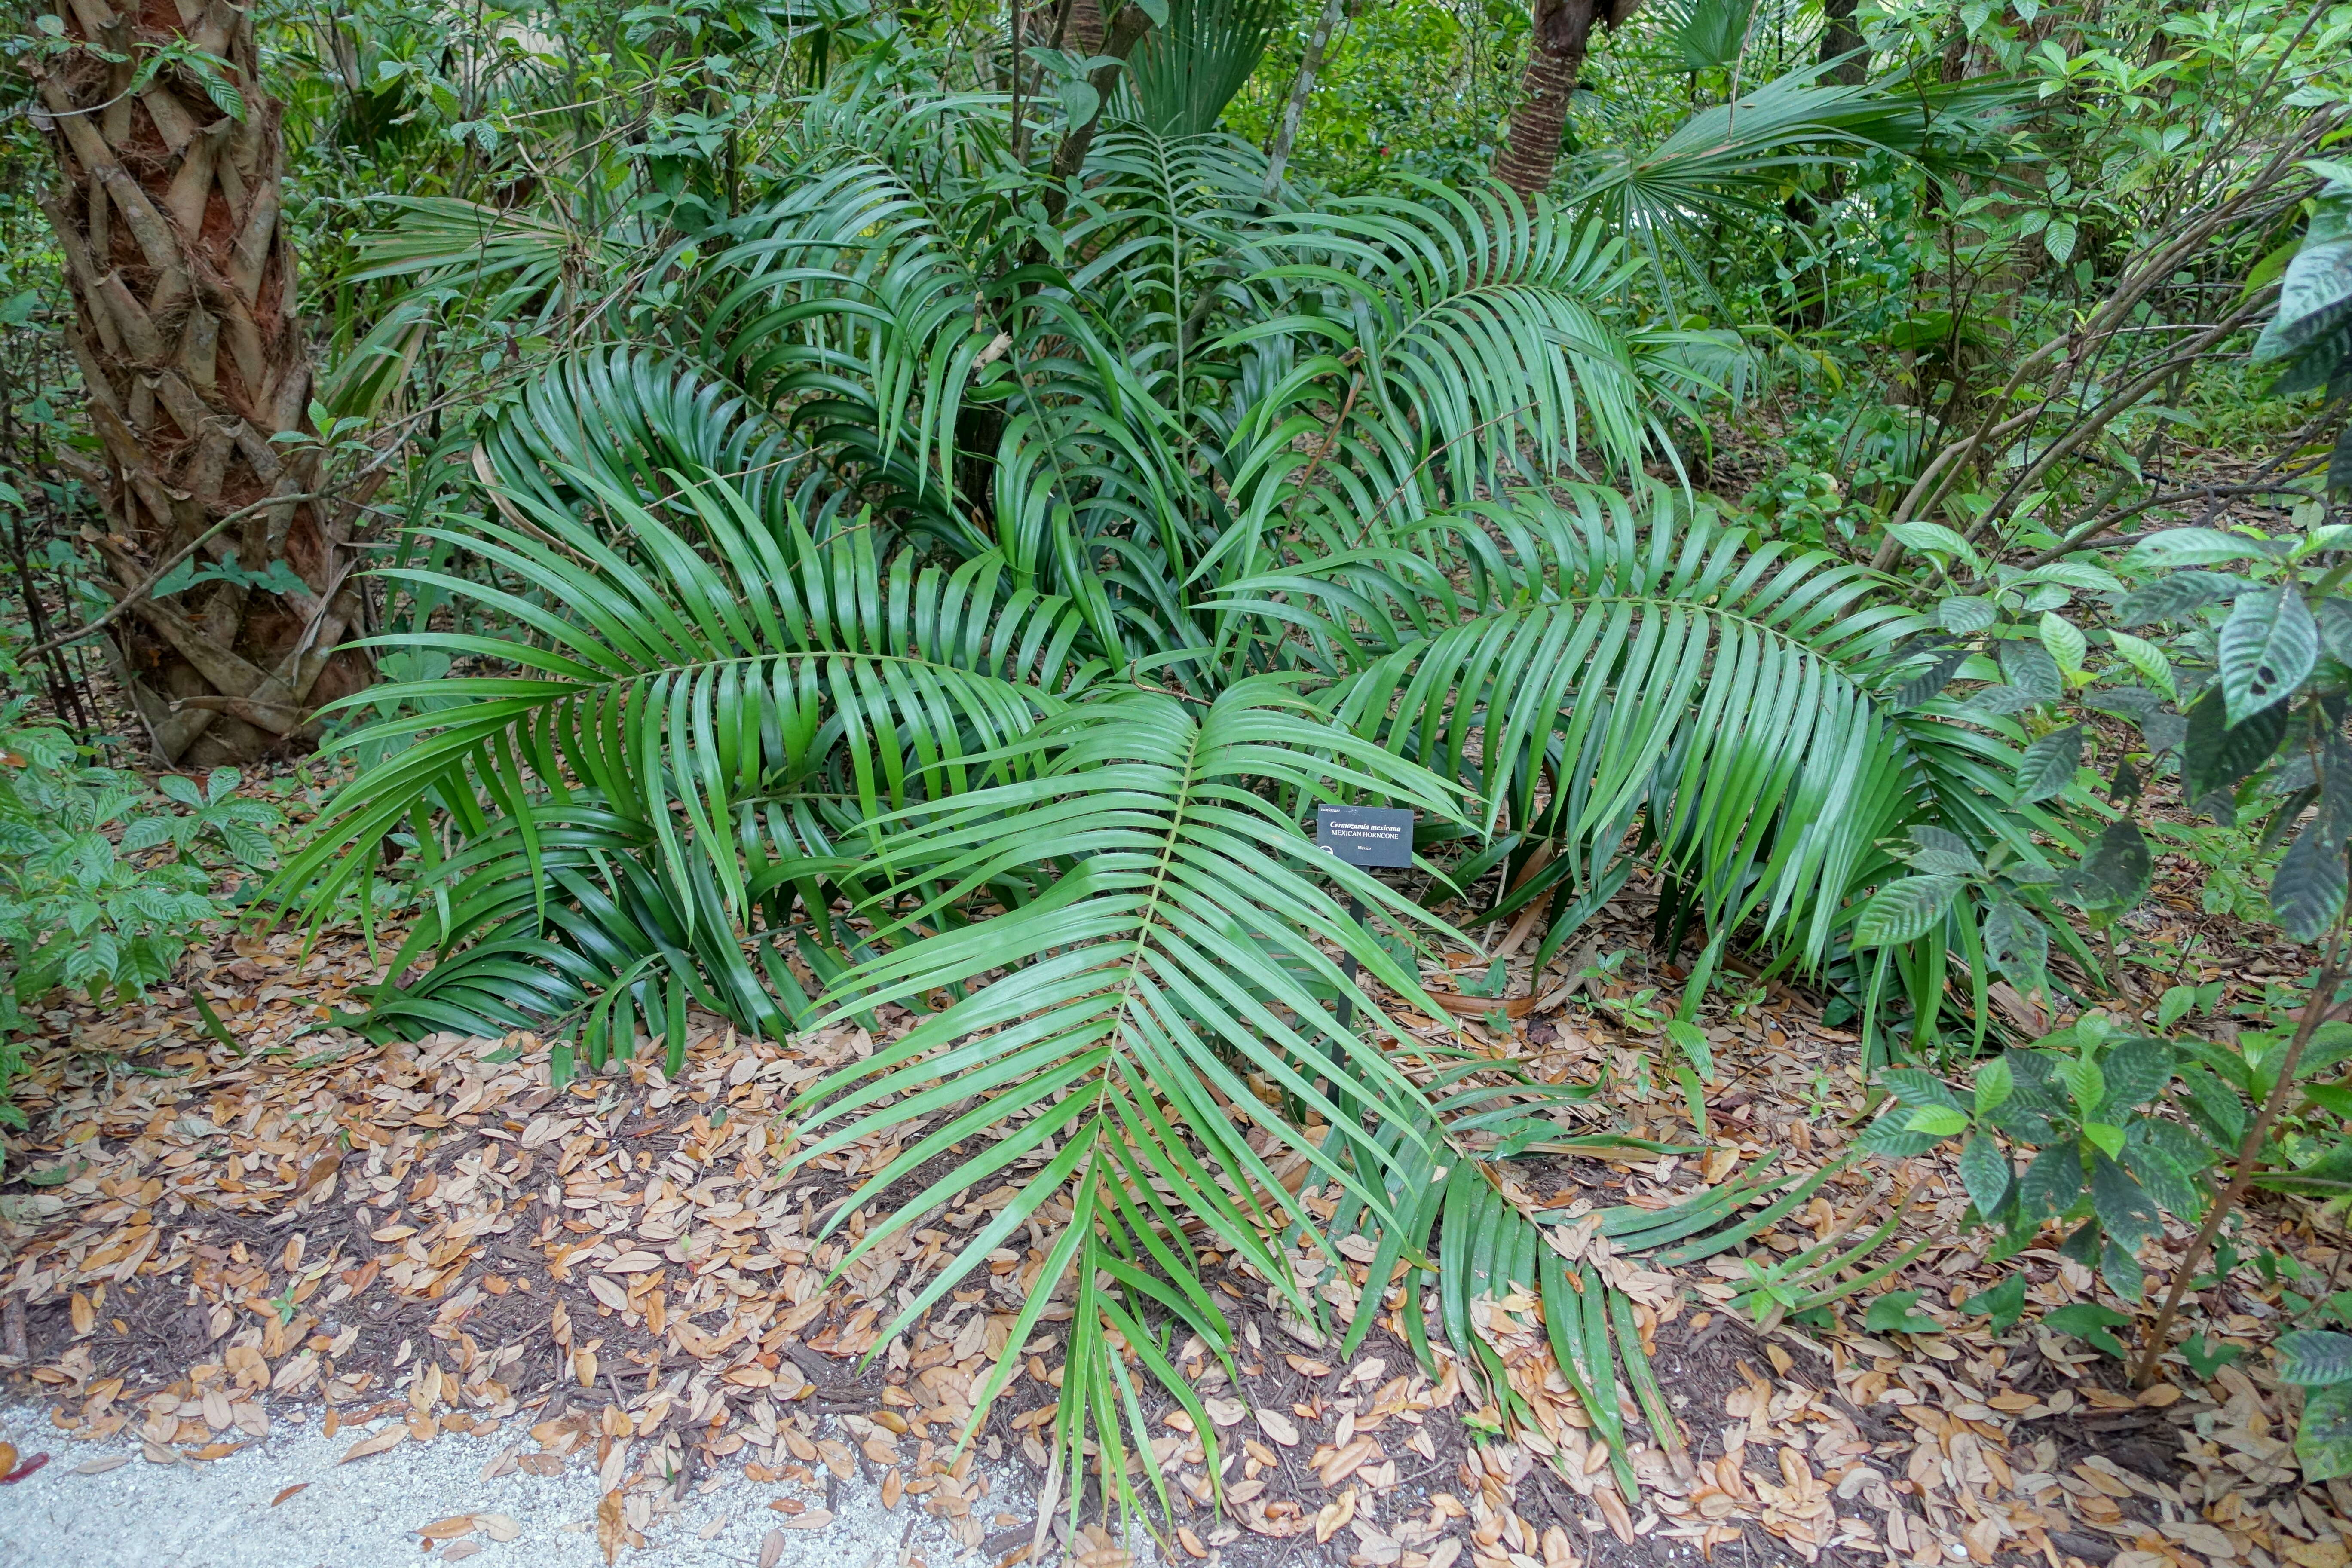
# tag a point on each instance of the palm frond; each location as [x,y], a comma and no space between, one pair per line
[1738,157]
[1183,74]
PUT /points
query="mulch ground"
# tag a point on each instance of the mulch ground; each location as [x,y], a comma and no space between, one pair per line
[197,1233]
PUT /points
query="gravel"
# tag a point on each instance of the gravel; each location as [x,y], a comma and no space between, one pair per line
[186,1514]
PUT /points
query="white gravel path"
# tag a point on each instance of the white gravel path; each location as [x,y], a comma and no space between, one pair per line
[368,1512]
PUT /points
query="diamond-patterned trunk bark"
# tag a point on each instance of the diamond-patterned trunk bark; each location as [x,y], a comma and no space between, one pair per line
[167,209]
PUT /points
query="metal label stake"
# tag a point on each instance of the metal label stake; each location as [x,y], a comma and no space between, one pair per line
[1368,835]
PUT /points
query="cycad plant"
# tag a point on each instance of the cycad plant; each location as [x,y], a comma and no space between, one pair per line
[967,608]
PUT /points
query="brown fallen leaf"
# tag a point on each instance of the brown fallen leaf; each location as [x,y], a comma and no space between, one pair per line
[612,1534]
[814,1519]
[497,1526]
[288,1492]
[1334,1515]
[772,1549]
[448,1529]
[457,1549]
[390,1438]
[894,1485]
[99,1467]
[1279,1428]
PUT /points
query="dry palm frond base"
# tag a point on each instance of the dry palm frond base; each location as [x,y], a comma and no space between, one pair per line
[203,1240]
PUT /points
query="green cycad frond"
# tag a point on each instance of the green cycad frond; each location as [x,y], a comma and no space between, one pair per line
[1473,325]
[633,418]
[697,687]
[1179,955]
[1601,668]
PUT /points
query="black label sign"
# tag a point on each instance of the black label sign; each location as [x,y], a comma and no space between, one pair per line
[1365,835]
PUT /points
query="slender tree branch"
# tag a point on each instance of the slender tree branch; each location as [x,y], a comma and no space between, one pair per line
[1278,156]
[131,600]
[2153,1343]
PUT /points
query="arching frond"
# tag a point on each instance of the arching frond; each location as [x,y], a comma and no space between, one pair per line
[1470,327]
[697,684]
[1599,667]
[1180,954]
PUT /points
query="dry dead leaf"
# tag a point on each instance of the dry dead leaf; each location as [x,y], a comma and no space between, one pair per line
[390,1438]
[612,1533]
[448,1529]
[497,1526]
[99,1467]
[772,1549]
[1278,1426]
[459,1550]
[814,1519]
[288,1492]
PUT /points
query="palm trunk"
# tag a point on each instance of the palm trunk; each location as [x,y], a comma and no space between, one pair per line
[1557,45]
[1085,35]
[167,211]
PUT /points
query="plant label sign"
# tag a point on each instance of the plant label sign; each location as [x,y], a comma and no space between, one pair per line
[1365,835]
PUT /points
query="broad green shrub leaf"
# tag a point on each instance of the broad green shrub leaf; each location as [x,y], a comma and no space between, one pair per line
[2049,764]
[2122,1204]
[2308,891]
[1910,1086]
[2091,1323]
[2182,593]
[2217,753]
[1985,1172]
[2146,660]
[2135,1071]
[2051,1183]
[2116,873]
[1935,539]
[2004,1303]
[2029,666]
[1966,614]
[2310,338]
[1937,1120]
[2315,1358]
[2323,1441]
[1892,1315]
[2268,646]
[2065,641]
[2017,943]
[1996,1082]
[1904,910]
[2195,547]
[2205,1360]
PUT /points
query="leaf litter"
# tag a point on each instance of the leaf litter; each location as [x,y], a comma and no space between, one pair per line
[614,1277]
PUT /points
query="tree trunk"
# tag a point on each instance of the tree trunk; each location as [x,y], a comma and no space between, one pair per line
[167,210]
[1839,37]
[1085,36]
[1295,111]
[1557,45]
